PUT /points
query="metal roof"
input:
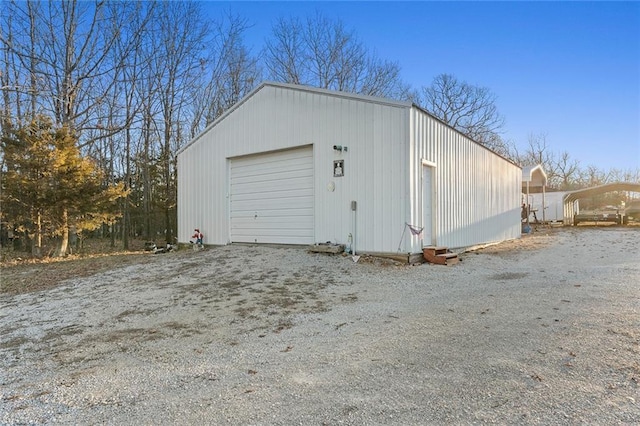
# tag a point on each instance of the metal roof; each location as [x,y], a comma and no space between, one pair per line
[601,189]
[365,98]
[535,175]
[303,88]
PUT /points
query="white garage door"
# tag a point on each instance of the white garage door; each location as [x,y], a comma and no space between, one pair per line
[272,198]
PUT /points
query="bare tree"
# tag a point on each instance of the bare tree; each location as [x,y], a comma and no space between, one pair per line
[240,74]
[382,78]
[593,176]
[468,108]
[128,87]
[285,51]
[73,47]
[323,53]
[181,35]
[19,78]
[539,152]
[504,147]
[630,175]
[63,66]
[332,52]
[567,170]
[62,63]
[6,39]
[564,172]
[227,73]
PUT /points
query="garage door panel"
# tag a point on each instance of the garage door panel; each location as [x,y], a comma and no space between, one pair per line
[299,194]
[280,171]
[283,185]
[276,168]
[274,232]
[267,204]
[283,213]
[294,240]
[272,199]
[275,159]
[272,223]
[276,236]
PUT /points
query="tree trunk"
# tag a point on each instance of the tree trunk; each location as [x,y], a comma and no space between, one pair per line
[64,243]
[146,192]
[167,176]
[36,248]
[126,220]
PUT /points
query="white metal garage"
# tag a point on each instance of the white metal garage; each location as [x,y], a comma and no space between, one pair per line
[298,165]
[271,197]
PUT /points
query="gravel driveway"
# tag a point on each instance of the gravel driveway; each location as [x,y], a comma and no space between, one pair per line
[541,330]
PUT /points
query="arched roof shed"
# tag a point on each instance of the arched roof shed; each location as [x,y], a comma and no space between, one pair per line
[570,198]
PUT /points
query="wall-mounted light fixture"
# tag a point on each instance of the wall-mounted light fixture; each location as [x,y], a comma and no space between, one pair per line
[337,147]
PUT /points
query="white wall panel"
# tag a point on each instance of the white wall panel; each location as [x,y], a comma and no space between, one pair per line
[477,197]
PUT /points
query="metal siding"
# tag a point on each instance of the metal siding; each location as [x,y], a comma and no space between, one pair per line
[375,173]
[477,192]
[553,205]
[275,118]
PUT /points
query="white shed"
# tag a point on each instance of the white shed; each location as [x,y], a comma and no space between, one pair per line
[549,202]
[293,164]
[534,177]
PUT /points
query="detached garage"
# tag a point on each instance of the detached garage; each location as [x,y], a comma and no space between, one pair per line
[271,197]
[298,165]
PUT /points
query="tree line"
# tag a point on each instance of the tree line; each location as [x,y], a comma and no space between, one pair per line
[98,97]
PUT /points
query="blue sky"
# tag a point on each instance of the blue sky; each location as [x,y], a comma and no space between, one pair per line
[569,70]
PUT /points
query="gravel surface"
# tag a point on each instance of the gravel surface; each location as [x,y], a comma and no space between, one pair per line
[540,330]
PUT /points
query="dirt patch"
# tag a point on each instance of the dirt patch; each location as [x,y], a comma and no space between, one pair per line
[29,276]
[537,240]
[509,276]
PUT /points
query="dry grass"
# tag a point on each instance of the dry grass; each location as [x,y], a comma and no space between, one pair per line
[22,274]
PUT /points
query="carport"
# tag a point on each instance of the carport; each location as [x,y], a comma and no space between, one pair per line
[571,197]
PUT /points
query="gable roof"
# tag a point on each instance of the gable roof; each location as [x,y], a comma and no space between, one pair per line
[535,175]
[334,93]
[300,88]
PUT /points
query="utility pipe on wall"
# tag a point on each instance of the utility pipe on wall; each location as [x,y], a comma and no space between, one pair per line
[354,206]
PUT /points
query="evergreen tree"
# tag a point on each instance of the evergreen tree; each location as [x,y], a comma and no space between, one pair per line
[48,186]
